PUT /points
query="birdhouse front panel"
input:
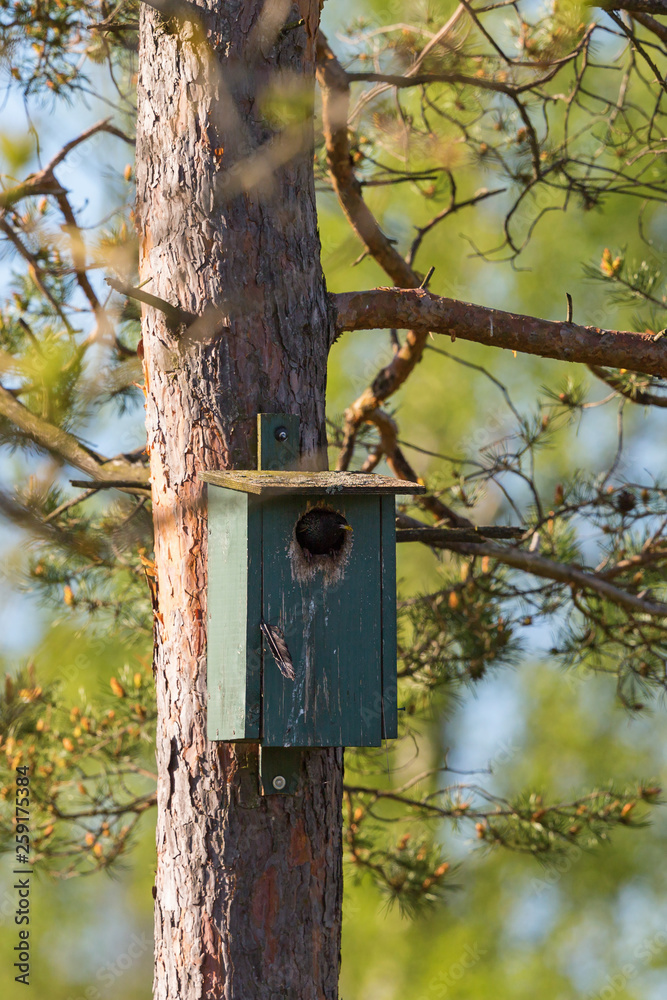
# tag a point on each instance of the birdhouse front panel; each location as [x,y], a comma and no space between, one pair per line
[302,608]
[329,610]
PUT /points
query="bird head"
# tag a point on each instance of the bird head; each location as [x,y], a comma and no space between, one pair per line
[321,531]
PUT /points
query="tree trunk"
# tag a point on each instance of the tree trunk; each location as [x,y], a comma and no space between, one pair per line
[248,889]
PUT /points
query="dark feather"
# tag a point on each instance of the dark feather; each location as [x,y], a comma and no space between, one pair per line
[275,638]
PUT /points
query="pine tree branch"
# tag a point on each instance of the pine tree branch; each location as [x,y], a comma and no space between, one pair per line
[65,446]
[23,517]
[43,182]
[417,309]
[536,565]
[36,272]
[641,49]
[632,392]
[414,79]
[482,83]
[78,252]
[649,557]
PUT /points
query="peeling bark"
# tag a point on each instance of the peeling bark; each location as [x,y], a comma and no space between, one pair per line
[248,889]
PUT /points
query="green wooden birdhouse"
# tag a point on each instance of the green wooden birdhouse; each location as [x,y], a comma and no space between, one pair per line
[302,607]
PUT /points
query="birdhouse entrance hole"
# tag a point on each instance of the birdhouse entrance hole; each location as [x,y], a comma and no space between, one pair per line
[321,544]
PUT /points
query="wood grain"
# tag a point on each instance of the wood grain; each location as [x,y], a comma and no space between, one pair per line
[332,632]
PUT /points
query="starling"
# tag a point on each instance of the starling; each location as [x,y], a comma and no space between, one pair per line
[322,532]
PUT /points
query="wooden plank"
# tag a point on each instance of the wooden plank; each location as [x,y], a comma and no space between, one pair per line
[271,482]
[277,441]
[388,626]
[227,614]
[332,632]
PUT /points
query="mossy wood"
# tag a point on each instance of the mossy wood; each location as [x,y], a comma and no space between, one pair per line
[337,614]
[278,482]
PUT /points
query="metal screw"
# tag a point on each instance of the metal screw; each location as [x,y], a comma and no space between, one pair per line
[280,434]
[279,782]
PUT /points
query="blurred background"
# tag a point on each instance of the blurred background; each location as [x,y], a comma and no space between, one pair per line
[593,925]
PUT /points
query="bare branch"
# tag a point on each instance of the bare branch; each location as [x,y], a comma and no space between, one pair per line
[335,89]
[65,446]
[643,6]
[419,310]
[95,485]
[333,81]
[475,533]
[658,29]
[536,565]
[44,182]
[396,461]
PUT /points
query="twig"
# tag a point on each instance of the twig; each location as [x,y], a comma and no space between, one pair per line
[476,533]
[69,503]
[94,485]
[537,565]
[175,316]
[425,282]
[633,393]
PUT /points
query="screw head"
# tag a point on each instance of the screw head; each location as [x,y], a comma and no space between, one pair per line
[280,434]
[279,782]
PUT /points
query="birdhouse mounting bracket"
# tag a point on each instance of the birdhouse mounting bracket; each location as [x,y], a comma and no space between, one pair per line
[278,449]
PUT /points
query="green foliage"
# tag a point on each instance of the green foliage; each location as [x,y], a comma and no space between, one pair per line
[44,42]
[460,632]
[97,567]
[89,782]
[408,873]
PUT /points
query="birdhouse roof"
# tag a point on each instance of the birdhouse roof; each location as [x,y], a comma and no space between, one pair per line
[263,483]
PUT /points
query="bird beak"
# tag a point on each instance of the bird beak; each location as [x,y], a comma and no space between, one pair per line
[346,527]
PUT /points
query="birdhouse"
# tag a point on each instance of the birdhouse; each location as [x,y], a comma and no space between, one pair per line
[302,607]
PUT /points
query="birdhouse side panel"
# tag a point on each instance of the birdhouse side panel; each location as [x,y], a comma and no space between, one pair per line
[330,617]
[234,589]
[389,629]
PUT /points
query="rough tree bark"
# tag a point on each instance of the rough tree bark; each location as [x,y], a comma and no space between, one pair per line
[248,889]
